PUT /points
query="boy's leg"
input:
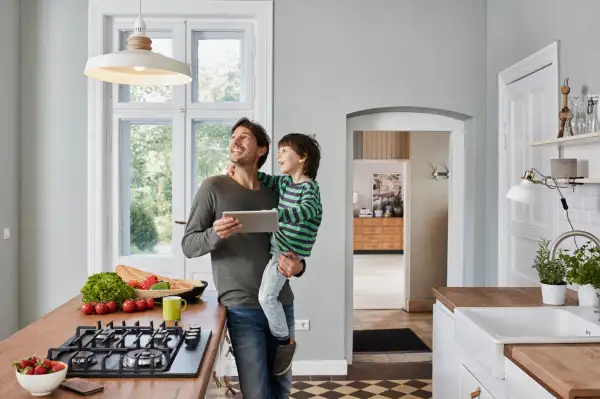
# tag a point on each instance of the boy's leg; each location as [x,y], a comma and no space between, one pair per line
[268,296]
[281,385]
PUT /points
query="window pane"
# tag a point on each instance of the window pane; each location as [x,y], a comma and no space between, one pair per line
[148,187]
[162,43]
[212,148]
[218,70]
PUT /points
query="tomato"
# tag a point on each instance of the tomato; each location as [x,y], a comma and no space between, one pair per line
[149,303]
[140,305]
[101,308]
[87,308]
[112,307]
[128,306]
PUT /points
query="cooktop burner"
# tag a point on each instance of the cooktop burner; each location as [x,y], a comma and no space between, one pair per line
[133,351]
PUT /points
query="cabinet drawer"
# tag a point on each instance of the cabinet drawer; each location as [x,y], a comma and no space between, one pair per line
[392,230]
[358,246]
[391,245]
[367,230]
[391,238]
[371,245]
[470,387]
[392,222]
[371,222]
[358,222]
[372,238]
[520,385]
[358,238]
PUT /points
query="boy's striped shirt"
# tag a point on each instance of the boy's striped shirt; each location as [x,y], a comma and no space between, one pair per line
[300,213]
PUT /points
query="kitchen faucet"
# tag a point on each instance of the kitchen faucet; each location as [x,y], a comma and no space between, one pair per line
[574,233]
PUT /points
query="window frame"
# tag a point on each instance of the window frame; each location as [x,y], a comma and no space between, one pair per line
[107,17]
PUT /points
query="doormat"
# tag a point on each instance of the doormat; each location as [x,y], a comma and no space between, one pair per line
[394,340]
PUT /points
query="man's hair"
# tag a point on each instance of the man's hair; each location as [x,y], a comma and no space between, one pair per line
[259,133]
[305,145]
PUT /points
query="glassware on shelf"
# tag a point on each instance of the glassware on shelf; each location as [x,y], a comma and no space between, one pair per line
[578,116]
[592,114]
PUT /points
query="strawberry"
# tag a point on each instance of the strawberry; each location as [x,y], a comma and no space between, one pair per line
[40,369]
[21,364]
[27,370]
[48,363]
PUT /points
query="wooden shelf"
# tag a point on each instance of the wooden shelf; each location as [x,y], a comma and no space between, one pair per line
[580,139]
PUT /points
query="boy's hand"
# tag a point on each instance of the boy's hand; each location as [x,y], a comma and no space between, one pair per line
[226,226]
[230,169]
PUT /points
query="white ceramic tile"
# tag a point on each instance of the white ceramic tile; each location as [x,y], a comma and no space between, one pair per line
[379,281]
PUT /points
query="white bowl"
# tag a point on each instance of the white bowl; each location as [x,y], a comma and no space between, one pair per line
[43,384]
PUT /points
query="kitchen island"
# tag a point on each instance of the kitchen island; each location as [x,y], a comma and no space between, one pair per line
[53,329]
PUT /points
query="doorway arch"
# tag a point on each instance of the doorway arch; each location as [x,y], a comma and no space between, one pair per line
[460,223]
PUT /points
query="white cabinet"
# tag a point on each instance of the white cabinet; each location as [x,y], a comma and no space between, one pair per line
[446,355]
[470,388]
[521,386]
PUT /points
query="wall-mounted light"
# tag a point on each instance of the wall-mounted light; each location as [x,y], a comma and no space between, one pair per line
[437,175]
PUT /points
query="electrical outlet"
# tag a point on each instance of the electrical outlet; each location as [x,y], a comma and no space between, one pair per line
[302,325]
[6,233]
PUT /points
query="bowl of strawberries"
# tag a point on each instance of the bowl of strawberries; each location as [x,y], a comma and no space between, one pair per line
[40,376]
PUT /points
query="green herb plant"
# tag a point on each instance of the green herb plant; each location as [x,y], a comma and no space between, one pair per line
[550,272]
[106,287]
[583,265]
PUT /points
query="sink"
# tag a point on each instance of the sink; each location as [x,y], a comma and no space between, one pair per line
[483,332]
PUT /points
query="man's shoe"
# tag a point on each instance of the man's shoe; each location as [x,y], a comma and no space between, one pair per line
[283,358]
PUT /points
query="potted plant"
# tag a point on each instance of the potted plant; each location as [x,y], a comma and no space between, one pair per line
[552,275]
[583,269]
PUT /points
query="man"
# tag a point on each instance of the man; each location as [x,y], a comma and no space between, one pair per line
[238,259]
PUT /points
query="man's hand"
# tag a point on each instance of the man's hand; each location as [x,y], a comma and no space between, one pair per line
[289,264]
[226,226]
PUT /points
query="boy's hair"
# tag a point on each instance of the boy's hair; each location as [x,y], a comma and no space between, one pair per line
[305,145]
[259,133]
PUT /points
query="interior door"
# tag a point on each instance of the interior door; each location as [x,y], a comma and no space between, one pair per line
[530,114]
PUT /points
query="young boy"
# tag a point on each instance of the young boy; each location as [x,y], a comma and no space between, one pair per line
[300,212]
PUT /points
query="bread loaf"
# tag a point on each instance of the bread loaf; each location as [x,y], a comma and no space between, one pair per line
[128,273]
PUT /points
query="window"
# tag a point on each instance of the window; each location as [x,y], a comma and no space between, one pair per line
[161,143]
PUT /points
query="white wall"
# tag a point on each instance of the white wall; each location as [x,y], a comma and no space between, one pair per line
[427,213]
[358,55]
[363,178]
[578,61]
[53,154]
[9,159]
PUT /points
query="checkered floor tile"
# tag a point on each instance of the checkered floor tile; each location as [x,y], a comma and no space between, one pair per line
[406,389]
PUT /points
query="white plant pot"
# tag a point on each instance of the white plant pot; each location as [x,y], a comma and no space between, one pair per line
[588,296]
[554,294]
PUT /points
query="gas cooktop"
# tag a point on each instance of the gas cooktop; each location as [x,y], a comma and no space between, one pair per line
[133,351]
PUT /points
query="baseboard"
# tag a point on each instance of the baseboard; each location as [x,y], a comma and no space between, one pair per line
[421,305]
[378,252]
[307,367]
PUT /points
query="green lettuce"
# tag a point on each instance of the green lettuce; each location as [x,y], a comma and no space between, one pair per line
[106,287]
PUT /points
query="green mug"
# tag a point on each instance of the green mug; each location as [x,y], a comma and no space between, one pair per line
[172,308]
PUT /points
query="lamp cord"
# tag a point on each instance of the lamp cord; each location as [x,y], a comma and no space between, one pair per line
[563,200]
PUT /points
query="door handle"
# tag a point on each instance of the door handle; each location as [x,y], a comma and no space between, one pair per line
[476,393]
[180,222]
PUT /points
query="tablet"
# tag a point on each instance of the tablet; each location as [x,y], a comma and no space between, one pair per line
[256,221]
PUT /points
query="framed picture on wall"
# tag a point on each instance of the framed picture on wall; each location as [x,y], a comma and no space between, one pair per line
[387,194]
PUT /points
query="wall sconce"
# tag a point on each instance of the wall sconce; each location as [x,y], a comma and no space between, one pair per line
[437,174]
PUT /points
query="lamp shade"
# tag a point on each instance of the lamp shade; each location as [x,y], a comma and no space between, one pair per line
[138,65]
[522,192]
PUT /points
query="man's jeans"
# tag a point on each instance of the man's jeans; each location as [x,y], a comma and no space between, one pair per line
[254,349]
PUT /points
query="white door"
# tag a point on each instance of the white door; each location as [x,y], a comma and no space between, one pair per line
[529,113]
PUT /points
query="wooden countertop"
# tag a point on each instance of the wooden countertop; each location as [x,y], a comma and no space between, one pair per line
[57,326]
[568,371]
[456,297]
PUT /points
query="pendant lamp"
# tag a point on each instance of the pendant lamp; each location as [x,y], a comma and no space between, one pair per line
[138,65]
